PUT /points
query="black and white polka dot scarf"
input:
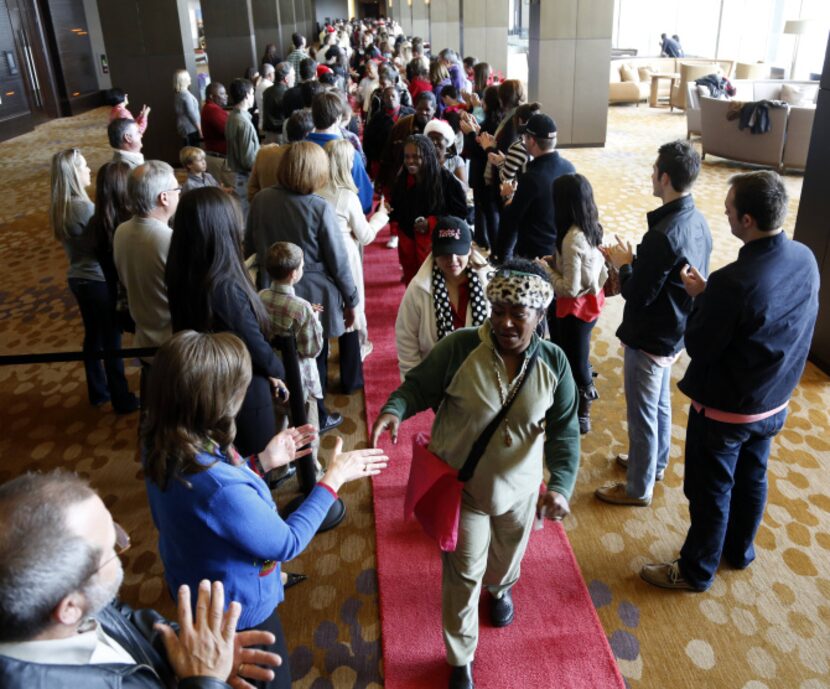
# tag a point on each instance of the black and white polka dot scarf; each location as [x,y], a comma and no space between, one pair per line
[441,300]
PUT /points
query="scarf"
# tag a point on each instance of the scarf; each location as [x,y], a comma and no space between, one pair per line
[443,307]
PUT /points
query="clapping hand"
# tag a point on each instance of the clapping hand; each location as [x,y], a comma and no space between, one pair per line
[208,646]
[286,446]
[693,281]
[486,140]
[279,389]
[383,422]
[508,188]
[621,253]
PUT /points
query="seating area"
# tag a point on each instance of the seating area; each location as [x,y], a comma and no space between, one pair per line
[630,78]
[784,146]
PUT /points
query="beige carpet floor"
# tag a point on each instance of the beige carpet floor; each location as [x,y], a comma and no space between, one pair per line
[766,627]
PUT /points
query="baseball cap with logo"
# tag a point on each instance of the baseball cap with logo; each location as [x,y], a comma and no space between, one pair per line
[451,236]
[540,126]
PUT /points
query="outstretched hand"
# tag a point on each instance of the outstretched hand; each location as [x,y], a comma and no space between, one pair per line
[356,464]
[553,505]
[382,423]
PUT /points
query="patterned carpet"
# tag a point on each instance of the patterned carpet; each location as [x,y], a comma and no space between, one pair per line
[766,627]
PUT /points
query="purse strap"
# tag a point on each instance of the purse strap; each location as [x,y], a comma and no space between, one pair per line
[481,442]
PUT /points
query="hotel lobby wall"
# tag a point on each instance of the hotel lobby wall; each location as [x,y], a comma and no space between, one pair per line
[146,42]
[570,48]
[814,209]
[229,38]
[484,28]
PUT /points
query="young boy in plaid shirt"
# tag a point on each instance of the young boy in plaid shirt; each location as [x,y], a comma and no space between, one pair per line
[293,315]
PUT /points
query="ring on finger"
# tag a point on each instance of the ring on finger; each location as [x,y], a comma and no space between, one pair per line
[239,669]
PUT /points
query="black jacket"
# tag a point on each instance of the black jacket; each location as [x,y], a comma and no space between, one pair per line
[272,111]
[656,303]
[750,330]
[133,630]
[411,203]
[377,131]
[527,227]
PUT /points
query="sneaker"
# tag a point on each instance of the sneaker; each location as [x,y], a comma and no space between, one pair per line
[622,460]
[615,494]
[393,242]
[666,575]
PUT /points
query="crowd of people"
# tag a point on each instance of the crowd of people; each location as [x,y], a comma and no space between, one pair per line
[290,172]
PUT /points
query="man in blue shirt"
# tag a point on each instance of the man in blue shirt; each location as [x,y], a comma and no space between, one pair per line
[748,338]
[326,111]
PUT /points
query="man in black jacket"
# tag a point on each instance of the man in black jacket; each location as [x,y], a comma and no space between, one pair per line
[60,625]
[748,337]
[654,319]
[527,228]
[273,117]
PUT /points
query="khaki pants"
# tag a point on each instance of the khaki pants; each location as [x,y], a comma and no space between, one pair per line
[490,550]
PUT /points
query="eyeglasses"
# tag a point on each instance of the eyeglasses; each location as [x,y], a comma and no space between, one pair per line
[178,189]
[122,545]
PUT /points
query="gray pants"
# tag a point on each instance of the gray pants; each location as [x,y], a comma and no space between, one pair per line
[490,550]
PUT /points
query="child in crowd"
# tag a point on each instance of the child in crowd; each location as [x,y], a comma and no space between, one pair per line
[194,161]
[292,315]
[119,101]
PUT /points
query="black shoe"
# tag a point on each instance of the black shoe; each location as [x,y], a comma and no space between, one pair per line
[292,579]
[130,405]
[330,421]
[276,479]
[461,676]
[501,610]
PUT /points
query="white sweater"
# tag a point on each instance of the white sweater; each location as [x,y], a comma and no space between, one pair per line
[416,331]
[580,268]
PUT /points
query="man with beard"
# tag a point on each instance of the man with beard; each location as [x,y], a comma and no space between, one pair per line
[392,157]
[60,622]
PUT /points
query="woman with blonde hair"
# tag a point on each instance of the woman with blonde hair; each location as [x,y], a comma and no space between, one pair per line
[70,213]
[188,120]
[357,231]
[293,211]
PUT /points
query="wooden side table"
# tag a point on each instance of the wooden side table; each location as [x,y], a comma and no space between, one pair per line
[653,100]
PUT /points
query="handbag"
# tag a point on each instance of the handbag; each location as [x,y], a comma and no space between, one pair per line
[433,493]
[613,285]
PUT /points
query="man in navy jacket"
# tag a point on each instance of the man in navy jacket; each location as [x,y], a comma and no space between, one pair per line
[654,319]
[748,338]
[527,227]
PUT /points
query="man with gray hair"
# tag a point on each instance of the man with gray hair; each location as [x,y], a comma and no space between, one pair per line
[125,139]
[61,624]
[266,81]
[140,247]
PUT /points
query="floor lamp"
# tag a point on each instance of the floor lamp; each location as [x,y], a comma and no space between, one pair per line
[795,27]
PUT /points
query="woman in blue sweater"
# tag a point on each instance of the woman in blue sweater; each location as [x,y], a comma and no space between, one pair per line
[214,512]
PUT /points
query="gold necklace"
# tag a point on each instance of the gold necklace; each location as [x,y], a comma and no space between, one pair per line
[507,392]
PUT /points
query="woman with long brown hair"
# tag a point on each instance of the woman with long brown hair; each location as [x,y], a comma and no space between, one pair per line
[209,290]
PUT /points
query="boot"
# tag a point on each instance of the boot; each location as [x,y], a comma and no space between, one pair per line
[587,394]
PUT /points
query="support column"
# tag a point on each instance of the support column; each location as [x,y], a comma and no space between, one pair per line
[146,42]
[485,32]
[420,21]
[229,35]
[570,44]
[266,20]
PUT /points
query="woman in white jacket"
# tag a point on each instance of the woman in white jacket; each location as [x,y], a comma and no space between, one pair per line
[357,231]
[447,293]
[578,274]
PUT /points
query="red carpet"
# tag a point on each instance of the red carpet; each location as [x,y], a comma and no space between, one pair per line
[556,642]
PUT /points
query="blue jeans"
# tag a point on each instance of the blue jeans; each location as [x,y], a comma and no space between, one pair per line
[104,380]
[648,407]
[726,484]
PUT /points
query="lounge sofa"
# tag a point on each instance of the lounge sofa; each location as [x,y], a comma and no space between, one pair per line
[784,146]
[630,77]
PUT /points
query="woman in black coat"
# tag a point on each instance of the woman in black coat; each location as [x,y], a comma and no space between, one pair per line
[422,192]
[209,290]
